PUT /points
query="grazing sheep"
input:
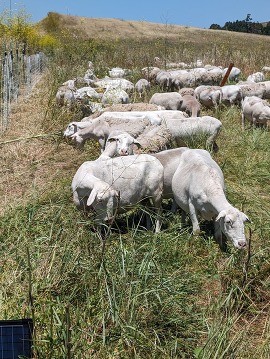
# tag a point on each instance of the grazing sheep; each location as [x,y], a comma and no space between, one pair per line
[194,127]
[198,189]
[253,89]
[124,84]
[115,185]
[255,110]
[100,129]
[169,100]
[187,91]
[142,86]
[209,96]
[233,75]
[256,77]
[191,105]
[65,97]
[114,96]
[231,95]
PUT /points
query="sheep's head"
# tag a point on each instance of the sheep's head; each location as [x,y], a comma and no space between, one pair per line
[232,225]
[124,143]
[104,200]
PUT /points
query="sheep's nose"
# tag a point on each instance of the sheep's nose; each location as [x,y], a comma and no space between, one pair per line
[124,152]
[242,244]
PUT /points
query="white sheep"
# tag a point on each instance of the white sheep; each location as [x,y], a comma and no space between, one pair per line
[198,189]
[142,86]
[255,110]
[252,89]
[231,95]
[194,128]
[209,96]
[190,105]
[114,95]
[115,185]
[169,100]
[256,77]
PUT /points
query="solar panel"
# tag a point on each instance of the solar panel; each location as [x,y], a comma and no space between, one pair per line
[16,338]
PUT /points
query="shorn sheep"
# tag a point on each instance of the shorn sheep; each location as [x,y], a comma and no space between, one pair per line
[198,189]
[115,185]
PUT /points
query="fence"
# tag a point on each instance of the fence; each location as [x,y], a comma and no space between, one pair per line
[19,73]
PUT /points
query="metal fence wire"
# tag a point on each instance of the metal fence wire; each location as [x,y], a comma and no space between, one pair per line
[19,74]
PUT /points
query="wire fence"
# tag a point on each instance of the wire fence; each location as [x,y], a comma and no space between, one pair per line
[19,74]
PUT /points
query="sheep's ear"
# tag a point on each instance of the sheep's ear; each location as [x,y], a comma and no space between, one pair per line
[221,214]
[92,197]
[137,143]
[111,139]
[245,218]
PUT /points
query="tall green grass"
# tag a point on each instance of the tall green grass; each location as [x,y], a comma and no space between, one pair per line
[146,295]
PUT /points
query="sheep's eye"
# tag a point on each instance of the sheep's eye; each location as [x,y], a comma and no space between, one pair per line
[99,200]
[229,222]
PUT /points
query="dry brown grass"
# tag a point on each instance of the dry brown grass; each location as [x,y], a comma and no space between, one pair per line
[108,28]
[30,164]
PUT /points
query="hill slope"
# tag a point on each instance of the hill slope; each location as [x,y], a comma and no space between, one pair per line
[107,28]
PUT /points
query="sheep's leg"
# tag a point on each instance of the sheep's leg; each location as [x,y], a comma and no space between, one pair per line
[194,219]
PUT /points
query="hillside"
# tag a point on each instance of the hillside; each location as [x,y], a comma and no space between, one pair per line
[107,28]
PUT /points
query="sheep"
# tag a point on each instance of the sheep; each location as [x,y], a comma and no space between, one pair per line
[124,84]
[99,129]
[255,110]
[231,95]
[86,92]
[137,106]
[154,139]
[120,143]
[198,189]
[115,185]
[142,86]
[65,97]
[209,96]
[169,100]
[187,91]
[256,77]
[194,127]
[233,75]
[253,89]
[190,105]
[114,95]
[266,69]
[117,72]
[164,80]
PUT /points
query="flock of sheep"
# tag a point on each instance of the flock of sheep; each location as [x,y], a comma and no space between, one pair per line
[144,158]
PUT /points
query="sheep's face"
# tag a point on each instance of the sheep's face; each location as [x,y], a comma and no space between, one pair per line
[71,129]
[104,203]
[124,144]
[232,225]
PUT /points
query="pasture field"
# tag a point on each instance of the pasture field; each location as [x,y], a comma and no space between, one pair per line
[146,295]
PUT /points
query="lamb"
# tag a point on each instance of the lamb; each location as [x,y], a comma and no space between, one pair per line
[255,110]
[198,189]
[169,100]
[142,86]
[194,127]
[115,185]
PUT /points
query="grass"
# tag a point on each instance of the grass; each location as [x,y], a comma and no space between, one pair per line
[166,295]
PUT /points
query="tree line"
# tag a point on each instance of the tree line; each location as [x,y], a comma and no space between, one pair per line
[246,25]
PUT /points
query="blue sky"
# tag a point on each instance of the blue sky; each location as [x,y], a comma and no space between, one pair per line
[195,13]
